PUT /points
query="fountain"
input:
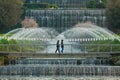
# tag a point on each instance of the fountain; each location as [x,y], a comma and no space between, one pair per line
[65,19]
[60,68]
[82,31]
[31,33]
[88,32]
[43,70]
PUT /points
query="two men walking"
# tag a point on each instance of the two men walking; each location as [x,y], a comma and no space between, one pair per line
[58,47]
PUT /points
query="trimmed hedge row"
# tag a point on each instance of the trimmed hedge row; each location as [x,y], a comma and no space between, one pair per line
[39,6]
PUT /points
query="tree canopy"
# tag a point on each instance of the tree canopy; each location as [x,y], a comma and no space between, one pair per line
[10,12]
[113,15]
[29,23]
[96,4]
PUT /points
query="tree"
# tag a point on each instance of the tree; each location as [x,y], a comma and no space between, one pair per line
[113,15]
[91,4]
[10,12]
[29,23]
[101,4]
[96,4]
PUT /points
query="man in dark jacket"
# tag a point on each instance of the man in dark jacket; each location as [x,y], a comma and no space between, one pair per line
[62,46]
[57,47]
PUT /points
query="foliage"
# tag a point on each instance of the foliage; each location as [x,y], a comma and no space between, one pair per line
[26,1]
[95,4]
[29,23]
[105,45]
[4,60]
[39,6]
[91,4]
[114,60]
[105,42]
[7,42]
[1,34]
[1,60]
[113,15]
[15,46]
[4,41]
[10,12]
[12,41]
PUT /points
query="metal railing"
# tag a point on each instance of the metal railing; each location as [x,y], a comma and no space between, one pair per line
[68,48]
